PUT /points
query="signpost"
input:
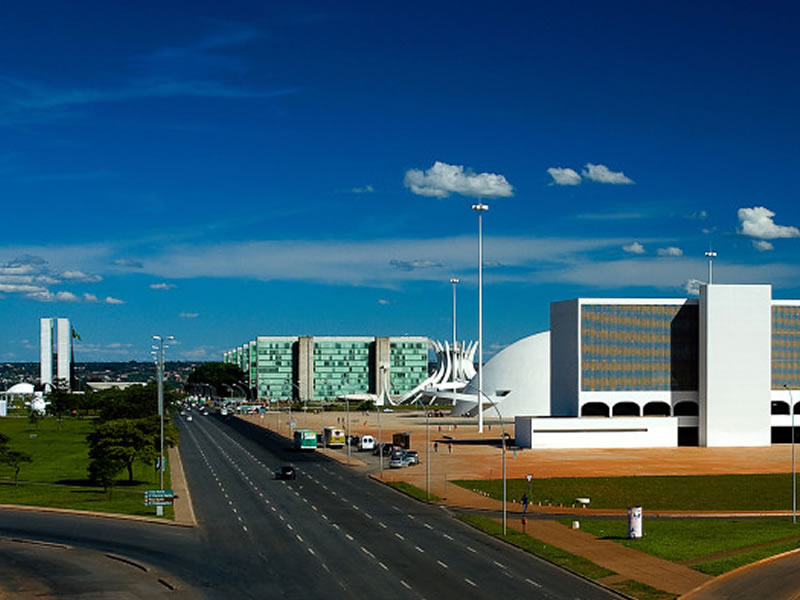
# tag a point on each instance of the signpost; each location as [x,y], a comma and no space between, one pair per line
[159,499]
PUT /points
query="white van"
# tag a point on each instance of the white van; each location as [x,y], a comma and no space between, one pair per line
[366,442]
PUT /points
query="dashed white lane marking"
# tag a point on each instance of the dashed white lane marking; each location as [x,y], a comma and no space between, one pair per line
[324,566]
[471,549]
[399,536]
[382,524]
[447,536]
[419,549]
[348,536]
[289,525]
[405,585]
[441,564]
[397,509]
[244,527]
[369,516]
[240,519]
[499,564]
[355,507]
[311,551]
[469,581]
[411,517]
[367,552]
[385,568]
[299,539]
[428,526]
[532,582]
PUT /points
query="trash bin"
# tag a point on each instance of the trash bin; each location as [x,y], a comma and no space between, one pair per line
[634,522]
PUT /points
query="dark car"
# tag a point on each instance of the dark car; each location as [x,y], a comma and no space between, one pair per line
[285,472]
[387,449]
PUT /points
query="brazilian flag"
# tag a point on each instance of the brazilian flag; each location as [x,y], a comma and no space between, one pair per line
[75,335]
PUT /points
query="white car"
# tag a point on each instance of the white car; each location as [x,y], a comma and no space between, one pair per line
[366,442]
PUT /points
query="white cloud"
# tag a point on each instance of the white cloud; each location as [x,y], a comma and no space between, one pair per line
[670,251]
[634,248]
[757,222]
[367,189]
[411,265]
[127,262]
[48,296]
[564,176]
[162,286]
[80,276]
[383,301]
[188,315]
[602,174]
[763,245]
[87,297]
[11,288]
[110,300]
[692,287]
[442,179]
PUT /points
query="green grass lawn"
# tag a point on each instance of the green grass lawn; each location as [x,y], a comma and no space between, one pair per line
[689,540]
[693,492]
[413,491]
[58,477]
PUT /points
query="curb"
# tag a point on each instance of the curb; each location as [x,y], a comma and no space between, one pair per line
[88,513]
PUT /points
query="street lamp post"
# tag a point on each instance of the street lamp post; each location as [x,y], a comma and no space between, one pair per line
[480,208]
[794,472]
[454,281]
[505,493]
[710,255]
[162,345]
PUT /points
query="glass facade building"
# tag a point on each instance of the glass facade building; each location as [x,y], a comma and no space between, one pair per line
[785,346]
[639,347]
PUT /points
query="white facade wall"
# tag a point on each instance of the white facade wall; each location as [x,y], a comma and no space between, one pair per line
[46,352]
[735,365]
[590,432]
[63,351]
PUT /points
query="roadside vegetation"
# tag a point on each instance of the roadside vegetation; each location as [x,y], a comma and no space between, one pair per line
[712,546]
[574,563]
[96,454]
[413,491]
[691,492]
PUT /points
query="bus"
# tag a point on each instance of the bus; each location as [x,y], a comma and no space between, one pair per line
[305,439]
[334,437]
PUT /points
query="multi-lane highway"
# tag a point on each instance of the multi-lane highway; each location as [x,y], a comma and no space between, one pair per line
[331,531]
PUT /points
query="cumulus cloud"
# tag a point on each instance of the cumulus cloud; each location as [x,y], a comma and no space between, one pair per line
[634,248]
[91,298]
[110,300]
[48,296]
[367,189]
[412,265]
[80,276]
[602,174]
[670,251]
[383,301]
[129,263]
[162,286]
[757,222]
[763,245]
[692,286]
[188,315]
[442,179]
[564,176]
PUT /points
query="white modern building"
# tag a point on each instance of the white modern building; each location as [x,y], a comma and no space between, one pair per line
[631,372]
[56,351]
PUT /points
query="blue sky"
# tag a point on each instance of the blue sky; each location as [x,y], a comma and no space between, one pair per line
[216,171]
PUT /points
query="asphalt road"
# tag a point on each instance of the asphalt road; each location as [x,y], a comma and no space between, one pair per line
[331,531]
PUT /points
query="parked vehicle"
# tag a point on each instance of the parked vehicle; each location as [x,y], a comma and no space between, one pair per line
[354,439]
[305,439]
[412,456]
[385,446]
[398,460]
[334,437]
[366,442]
[285,472]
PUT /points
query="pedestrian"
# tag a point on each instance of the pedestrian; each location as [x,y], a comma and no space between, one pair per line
[440,428]
[450,447]
[524,503]
[436,447]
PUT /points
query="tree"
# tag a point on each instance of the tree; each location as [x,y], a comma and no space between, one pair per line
[61,401]
[34,417]
[122,442]
[103,469]
[217,375]
[15,459]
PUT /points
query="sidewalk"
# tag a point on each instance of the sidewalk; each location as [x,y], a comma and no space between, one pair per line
[182,505]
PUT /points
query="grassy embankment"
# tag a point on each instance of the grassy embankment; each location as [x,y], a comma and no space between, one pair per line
[712,546]
[58,478]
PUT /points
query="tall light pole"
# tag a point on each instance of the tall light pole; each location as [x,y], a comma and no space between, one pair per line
[480,208]
[454,281]
[503,432]
[710,255]
[794,473]
[162,345]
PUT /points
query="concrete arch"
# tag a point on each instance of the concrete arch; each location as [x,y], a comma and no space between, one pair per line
[656,409]
[626,409]
[779,407]
[686,408]
[594,409]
